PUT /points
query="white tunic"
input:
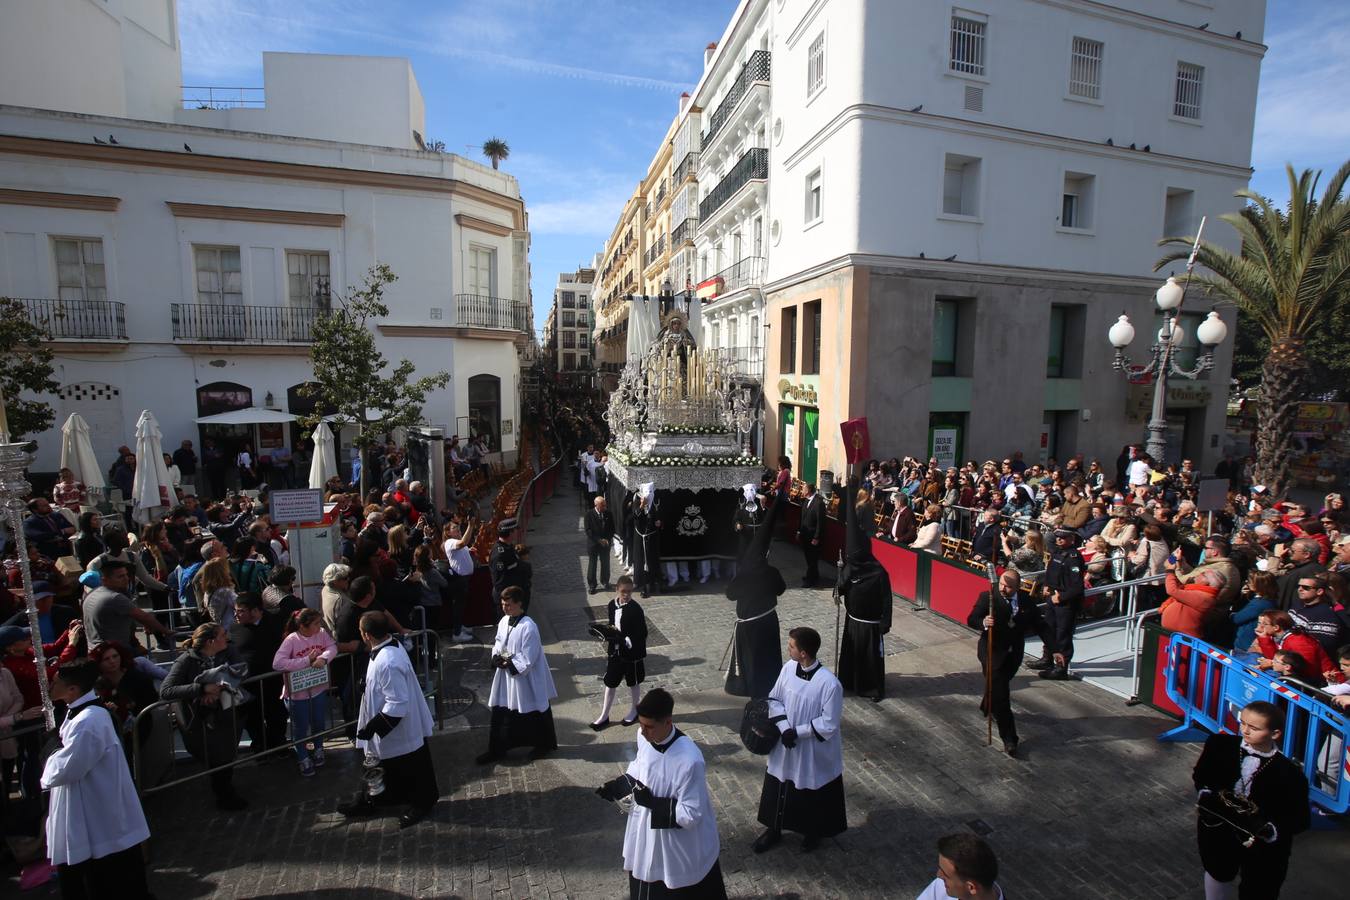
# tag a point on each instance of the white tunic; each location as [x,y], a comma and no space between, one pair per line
[392,689]
[938,891]
[94,808]
[814,708]
[531,687]
[676,857]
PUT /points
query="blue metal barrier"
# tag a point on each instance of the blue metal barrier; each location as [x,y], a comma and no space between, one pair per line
[1211,686]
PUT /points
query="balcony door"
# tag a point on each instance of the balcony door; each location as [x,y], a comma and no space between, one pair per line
[480,278]
[220,294]
[308,290]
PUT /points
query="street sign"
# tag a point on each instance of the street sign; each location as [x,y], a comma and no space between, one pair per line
[295,507]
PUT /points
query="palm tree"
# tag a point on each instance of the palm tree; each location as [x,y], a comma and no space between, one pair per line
[1293,268]
[496,150]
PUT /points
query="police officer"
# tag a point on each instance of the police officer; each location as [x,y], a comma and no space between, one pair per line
[1060,587]
[504,563]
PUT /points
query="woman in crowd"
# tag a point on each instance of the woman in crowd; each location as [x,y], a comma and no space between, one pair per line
[1261,594]
[429,578]
[210,732]
[124,689]
[279,595]
[88,540]
[218,592]
[782,482]
[1030,556]
[929,538]
[400,551]
[1120,531]
[306,646]
[68,493]
[159,558]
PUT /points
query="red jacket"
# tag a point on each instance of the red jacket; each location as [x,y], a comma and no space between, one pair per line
[1188,606]
[24,668]
[1309,649]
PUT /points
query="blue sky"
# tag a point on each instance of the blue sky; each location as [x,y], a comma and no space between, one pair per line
[583,90]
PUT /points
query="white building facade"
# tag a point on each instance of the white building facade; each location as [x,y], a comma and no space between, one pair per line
[958,199]
[181,260]
[574,321]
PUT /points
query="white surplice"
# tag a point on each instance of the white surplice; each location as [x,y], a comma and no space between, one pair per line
[392,688]
[531,687]
[814,707]
[676,857]
[94,808]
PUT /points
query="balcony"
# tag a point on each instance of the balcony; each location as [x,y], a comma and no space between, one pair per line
[688,168]
[683,233]
[219,323]
[654,252]
[747,362]
[755,71]
[753,166]
[749,272]
[484,311]
[79,320]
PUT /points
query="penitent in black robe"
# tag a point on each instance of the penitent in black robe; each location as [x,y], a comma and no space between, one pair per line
[866,593]
[757,651]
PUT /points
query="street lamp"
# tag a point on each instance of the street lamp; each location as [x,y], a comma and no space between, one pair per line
[1210,334]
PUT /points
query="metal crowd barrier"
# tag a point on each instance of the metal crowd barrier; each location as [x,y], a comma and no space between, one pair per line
[1211,686]
[152,763]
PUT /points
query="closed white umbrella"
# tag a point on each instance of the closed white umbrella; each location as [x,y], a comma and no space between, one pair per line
[151,491]
[324,464]
[77,453]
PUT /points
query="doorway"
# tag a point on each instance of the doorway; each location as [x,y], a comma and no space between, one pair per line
[810,452]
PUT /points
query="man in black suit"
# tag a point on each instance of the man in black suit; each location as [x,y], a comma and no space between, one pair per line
[626,644]
[811,532]
[985,542]
[1013,616]
[599,534]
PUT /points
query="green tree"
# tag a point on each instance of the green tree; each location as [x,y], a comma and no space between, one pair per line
[349,371]
[1291,274]
[496,150]
[25,367]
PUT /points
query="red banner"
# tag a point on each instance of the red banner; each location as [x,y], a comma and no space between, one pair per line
[857,444]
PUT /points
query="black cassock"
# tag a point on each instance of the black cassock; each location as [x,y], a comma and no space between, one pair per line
[866,593]
[747,522]
[757,652]
[1278,788]
[1014,619]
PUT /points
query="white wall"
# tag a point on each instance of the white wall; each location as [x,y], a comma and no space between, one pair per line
[61,54]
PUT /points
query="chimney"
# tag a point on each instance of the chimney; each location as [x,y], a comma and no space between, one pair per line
[708,53]
[684,101]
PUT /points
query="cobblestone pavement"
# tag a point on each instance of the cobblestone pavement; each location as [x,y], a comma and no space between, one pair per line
[1095,808]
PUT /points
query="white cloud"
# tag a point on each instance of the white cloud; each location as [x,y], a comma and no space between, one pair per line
[1301,114]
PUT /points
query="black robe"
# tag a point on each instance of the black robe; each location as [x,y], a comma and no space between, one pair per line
[757,651]
[646,550]
[866,592]
[747,522]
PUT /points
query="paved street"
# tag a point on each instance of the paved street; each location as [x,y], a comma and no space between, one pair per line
[1095,808]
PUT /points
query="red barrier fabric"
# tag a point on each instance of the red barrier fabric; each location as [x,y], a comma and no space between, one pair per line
[1160,699]
[952,590]
[901,564]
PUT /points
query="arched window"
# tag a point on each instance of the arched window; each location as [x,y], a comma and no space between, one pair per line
[485,409]
[222,396]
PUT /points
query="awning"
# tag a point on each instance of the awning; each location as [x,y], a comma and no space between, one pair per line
[252,416]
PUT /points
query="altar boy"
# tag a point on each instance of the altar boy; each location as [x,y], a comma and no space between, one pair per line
[670,846]
[95,825]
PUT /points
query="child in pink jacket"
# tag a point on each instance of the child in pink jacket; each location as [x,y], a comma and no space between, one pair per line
[306,646]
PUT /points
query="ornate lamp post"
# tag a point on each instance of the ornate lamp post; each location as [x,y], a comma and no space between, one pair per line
[1162,363]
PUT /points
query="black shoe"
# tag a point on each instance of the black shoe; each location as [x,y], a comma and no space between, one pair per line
[593,589]
[646,595]
[1010,748]
[231,803]
[601,726]
[1057,673]
[412,817]
[357,809]
[878,698]
[541,752]
[1044,662]
[608,586]
[484,759]
[767,841]
[810,842]
[627,723]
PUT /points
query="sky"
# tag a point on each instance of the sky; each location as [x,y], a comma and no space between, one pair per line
[583,90]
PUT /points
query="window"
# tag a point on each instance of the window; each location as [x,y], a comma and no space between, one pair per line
[307,283]
[582,302]
[1054,358]
[758,232]
[811,339]
[582,320]
[569,299]
[569,320]
[1076,204]
[815,65]
[960,186]
[583,339]
[79,270]
[736,248]
[788,348]
[813,201]
[1085,69]
[569,340]
[967,45]
[716,335]
[219,282]
[946,334]
[1190,87]
[754,331]
[732,329]
[569,361]
[482,271]
[1179,213]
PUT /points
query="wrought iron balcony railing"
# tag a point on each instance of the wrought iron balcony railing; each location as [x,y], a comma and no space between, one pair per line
[79,320]
[484,311]
[754,165]
[749,272]
[683,232]
[244,324]
[688,166]
[756,69]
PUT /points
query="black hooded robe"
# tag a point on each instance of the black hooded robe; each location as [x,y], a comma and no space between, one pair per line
[646,550]
[757,650]
[866,594]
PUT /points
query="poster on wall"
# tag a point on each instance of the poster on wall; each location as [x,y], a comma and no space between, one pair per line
[942,446]
[790,439]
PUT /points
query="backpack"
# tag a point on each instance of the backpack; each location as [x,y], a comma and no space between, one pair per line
[250,576]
